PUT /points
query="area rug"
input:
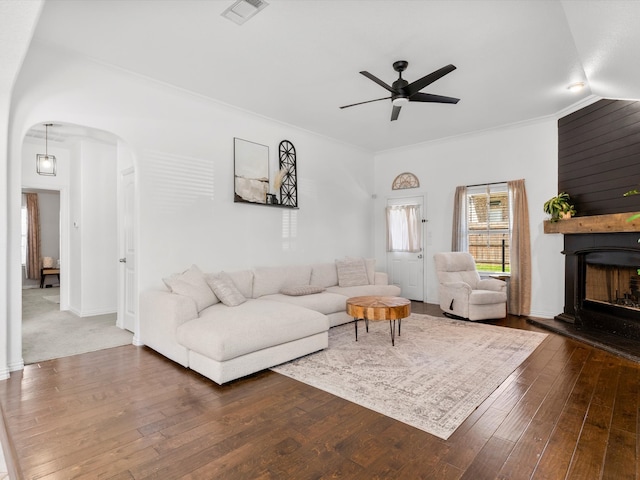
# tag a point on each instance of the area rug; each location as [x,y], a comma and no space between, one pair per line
[438,373]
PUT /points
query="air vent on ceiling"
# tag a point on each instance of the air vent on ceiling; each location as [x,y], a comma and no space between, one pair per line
[243,10]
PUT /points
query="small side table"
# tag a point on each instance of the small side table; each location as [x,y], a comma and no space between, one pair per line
[379,308]
[48,271]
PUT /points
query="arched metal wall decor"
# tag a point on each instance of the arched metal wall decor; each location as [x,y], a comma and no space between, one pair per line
[405,180]
[289,186]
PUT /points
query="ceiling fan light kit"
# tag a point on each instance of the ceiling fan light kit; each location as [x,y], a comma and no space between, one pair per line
[403,92]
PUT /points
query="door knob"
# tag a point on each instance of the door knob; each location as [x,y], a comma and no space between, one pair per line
[123,260]
[420,256]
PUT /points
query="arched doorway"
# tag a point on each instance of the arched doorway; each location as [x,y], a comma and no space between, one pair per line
[89,162]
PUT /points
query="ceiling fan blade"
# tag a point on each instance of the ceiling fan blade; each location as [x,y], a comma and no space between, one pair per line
[395,112]
[428,97]
[378,81]
[368,101]
[419,84]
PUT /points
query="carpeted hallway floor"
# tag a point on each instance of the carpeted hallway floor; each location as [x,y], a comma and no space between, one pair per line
[50,333]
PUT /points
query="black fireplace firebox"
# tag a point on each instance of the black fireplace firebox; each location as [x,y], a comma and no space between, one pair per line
[602,282]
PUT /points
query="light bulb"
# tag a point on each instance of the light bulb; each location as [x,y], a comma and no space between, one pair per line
[400,101]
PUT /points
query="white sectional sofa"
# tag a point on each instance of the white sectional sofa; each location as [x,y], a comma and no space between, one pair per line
[256,318]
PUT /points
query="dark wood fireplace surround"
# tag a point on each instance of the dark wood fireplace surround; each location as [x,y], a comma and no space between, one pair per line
[598,161]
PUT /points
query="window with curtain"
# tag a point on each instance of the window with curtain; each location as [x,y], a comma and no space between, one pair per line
[491,222]
[403,228]
[488,226]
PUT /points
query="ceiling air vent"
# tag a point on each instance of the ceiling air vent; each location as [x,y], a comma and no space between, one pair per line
[243,10]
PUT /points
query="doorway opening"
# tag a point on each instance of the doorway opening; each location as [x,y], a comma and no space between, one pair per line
[76,310]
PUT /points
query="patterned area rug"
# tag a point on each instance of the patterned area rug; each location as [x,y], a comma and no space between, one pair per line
[438,373]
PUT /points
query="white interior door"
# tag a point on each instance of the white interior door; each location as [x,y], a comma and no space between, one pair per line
[128,294]
[406,269]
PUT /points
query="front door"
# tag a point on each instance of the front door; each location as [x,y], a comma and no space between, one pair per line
[405,260]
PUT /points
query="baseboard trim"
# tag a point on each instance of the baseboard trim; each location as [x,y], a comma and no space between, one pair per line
[92,313]
[14,367]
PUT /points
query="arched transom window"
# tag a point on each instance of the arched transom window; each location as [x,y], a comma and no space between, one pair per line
[405,180]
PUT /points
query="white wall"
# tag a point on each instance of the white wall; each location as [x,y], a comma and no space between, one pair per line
[526,151]
[22,17]
[183,148]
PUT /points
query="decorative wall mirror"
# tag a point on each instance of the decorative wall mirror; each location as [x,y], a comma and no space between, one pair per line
[251,171]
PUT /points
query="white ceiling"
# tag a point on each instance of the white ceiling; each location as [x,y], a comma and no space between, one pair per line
[17,21]
[67,134]
[297,61]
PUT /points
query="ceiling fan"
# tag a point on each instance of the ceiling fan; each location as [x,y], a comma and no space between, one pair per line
[403,92]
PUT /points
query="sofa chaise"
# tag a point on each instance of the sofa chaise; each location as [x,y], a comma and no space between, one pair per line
[229,325]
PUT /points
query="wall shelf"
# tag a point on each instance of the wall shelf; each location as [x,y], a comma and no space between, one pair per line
[613,223]
[276,205]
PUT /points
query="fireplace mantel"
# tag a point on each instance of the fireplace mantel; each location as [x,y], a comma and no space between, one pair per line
[613,223]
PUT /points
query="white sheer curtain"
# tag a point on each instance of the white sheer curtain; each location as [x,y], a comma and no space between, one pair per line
[403,228]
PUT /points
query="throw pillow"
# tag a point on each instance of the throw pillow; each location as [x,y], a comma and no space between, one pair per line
[300,290]
[352,273]
[225,289]
[370,265]
[191,283]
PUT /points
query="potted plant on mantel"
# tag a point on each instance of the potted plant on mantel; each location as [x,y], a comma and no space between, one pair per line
[635,215]
[559,207]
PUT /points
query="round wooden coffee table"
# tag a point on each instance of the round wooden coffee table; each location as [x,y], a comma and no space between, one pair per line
[379,308]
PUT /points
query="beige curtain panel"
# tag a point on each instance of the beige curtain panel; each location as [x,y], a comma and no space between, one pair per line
[520,284]
[33,237]
[459,237]
[403,228]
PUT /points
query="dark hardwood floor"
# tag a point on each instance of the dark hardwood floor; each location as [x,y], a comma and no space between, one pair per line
[569,411]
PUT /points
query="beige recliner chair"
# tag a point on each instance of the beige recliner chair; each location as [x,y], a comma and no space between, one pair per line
[463,293]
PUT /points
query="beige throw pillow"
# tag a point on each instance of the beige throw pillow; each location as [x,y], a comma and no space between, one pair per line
[225,289]
[370,265]
[352,273]
[191,283]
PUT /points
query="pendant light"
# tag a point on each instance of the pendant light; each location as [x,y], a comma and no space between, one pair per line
[46,164]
